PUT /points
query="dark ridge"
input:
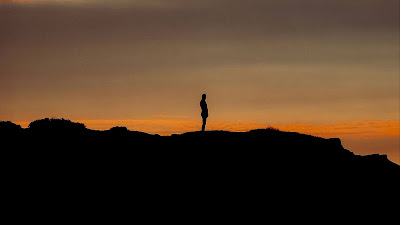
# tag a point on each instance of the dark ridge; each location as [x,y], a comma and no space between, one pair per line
[55,124]
[56,127]
[124,132]
[8,126]
[56,157]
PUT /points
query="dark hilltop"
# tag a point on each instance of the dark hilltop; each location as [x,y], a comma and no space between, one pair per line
[65,160]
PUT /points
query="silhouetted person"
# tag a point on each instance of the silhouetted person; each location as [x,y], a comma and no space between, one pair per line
[204,111]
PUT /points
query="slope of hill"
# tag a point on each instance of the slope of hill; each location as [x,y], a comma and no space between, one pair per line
[70,161]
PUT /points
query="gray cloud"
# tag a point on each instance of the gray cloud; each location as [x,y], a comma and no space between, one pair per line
[248,28]
[199,19]
[135,46]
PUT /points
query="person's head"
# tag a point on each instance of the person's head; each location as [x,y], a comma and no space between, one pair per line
[203,96]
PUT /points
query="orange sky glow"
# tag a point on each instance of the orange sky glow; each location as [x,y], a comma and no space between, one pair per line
[363,129]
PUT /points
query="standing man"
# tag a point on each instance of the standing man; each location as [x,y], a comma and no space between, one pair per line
[204,111]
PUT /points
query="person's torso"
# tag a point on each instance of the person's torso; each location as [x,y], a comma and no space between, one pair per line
[203,106]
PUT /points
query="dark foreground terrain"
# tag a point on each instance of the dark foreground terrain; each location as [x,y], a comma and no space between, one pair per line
[59,162]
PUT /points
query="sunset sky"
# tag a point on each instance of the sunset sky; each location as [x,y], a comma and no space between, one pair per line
[327,68]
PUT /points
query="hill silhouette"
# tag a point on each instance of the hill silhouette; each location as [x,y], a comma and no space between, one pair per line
[66,160]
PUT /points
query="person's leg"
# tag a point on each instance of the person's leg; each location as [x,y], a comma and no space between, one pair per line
[203,128]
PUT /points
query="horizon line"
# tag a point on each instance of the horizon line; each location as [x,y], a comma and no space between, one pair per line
[359,129]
